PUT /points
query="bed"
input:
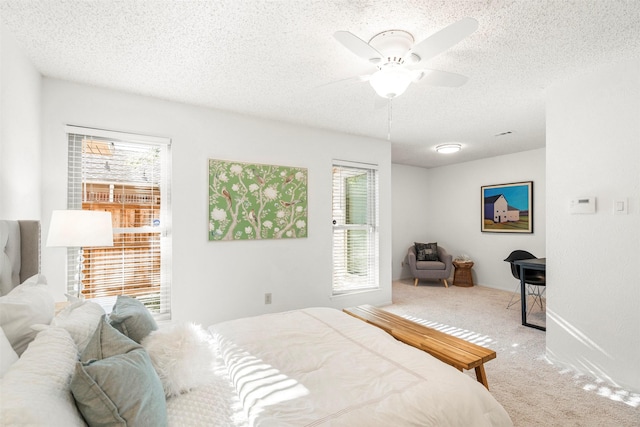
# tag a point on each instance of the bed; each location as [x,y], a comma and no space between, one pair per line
[310,367]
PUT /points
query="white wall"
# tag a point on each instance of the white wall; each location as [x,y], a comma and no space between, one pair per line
[453,213]
[410,202]
[214,281]
[593,149]
[20,176]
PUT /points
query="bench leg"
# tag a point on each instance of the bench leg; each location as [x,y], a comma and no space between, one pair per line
[481,376]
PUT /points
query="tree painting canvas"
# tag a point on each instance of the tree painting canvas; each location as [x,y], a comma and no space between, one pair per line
[253,201]
[507,208]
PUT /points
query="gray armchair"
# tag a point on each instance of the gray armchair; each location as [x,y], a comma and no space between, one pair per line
[430,270]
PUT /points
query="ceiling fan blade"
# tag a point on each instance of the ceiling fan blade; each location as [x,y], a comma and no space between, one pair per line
[444,39]
[355,79]
[440,78]
[358,46]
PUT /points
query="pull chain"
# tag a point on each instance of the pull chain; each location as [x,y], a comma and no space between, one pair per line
[390,110]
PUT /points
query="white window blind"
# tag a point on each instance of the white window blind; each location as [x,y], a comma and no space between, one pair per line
[355,227]
[129,176]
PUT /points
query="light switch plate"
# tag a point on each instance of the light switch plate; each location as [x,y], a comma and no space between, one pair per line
[621,206]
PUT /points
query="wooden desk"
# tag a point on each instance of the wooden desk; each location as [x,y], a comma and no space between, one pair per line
[462,275]
[459,353]
[529,264]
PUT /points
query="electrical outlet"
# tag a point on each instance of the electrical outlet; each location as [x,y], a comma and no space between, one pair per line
[267,298]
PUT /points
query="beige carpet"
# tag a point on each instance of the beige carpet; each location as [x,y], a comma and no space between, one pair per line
[533,391]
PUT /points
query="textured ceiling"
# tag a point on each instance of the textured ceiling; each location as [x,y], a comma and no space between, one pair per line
[278,59]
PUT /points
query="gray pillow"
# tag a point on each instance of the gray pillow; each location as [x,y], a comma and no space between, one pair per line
[426,251]
[114,384]
[132,318]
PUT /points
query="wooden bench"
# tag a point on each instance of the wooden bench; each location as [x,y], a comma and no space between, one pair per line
[459,353]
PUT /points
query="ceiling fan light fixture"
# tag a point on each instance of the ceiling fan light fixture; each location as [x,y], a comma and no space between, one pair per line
[448,148]
[391,81]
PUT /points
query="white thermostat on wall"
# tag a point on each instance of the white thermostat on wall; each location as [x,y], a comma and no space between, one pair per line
[582,205]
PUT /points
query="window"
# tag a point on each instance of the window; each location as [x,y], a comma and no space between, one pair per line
[355,227]
[129,176]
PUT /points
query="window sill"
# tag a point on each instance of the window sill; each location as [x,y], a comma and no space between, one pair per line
[354,292]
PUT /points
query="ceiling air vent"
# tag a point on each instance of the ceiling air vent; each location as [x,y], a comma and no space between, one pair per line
[504,133]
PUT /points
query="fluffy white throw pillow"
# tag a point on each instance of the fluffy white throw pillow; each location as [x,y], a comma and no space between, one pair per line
[182,355]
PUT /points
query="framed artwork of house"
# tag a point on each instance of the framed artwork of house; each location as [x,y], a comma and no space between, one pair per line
[507,208]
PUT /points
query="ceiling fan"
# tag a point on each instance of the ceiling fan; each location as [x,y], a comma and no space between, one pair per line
[398,59]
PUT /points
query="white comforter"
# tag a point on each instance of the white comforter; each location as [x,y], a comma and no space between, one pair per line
[319,367]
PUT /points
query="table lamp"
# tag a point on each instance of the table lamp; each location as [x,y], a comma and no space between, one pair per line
[80,228]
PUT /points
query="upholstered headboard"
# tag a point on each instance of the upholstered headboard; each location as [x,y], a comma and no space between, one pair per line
[20,257]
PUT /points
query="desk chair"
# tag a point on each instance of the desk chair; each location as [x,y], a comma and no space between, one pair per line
[534,279]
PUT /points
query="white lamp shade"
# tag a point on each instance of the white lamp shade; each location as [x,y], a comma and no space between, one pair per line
[80,228]
[391,81]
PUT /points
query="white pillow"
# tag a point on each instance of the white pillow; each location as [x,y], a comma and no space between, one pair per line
[35,390]
[80,319]
[7,355]
[27,304]
[182,355]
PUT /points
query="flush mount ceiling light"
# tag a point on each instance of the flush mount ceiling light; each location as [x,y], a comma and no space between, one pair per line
[448,148]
